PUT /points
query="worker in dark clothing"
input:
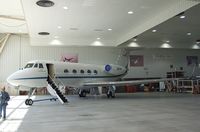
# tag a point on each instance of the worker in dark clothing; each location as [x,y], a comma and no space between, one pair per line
[4,98]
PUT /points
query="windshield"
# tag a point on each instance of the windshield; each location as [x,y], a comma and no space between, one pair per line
[29,65]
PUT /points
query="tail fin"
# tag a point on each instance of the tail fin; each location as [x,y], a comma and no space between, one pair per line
[122,58]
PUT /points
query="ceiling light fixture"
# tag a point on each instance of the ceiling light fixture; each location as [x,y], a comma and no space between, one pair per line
[130,12]
[154,31]
[98,38]
[195,46]
[56,42]
[109,29]
[167,41]
[198,41]
[133,44]
[45,3]
[181,15]
[166,45]
[189,33]
[59,27]
[97,43]
[65,7]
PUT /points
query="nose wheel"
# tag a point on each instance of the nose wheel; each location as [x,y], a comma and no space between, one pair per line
[29,102]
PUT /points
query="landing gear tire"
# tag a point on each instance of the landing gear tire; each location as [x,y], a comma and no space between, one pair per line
[29,102]
[110,94]
[82,94]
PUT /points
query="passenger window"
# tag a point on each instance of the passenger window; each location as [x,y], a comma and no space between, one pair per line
[36,65]
[95,72]
[82,71]
[29,65]
[89,71]
[66,71]
[40,65]
[74,71]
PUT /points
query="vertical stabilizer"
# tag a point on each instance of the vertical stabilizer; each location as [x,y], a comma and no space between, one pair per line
[122,58]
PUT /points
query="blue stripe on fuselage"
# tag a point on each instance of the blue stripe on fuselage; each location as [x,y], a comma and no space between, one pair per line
[68,77]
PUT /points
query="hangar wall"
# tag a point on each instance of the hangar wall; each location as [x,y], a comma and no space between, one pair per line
[156,61]
[18,52]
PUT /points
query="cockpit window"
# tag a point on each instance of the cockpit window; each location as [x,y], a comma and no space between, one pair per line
[40,65]
[36,65]
[29,65]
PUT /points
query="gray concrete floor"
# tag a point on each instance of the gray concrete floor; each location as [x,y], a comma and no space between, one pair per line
[139,112]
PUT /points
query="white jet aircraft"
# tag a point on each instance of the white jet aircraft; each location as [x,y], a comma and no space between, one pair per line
[39,74]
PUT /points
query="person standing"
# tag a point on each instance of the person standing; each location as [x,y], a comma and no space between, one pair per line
[4,98]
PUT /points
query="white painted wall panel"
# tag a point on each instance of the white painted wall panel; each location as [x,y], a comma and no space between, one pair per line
[157,62]
[9,59]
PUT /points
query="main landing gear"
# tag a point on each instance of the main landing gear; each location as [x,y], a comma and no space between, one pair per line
[30,93]
[28,101]
[111,92]
[83,93]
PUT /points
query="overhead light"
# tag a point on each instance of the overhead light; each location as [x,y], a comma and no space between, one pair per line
[130,12]
[55,42]
[198,41]
[133,44]
[65,7]
[166,45]
[97,43]
[182,17]
[59,27]
[167,41]
[98,38]
[189,33]
[56,37]
[195,46]
[110,29]
[154,31]
[45,3]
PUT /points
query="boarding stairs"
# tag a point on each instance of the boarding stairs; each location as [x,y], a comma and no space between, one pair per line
[54,90]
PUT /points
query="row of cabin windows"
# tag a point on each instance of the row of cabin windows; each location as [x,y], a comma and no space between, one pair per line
[81,71]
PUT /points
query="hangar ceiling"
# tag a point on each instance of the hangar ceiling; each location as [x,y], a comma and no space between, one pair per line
[181,31]
[92,22]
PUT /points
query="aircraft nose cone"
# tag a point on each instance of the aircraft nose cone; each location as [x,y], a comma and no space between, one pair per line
[11,80]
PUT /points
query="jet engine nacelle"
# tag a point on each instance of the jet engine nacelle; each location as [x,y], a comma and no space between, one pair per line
[114,69]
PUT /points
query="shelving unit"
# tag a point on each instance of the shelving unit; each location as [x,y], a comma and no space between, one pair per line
[191,86]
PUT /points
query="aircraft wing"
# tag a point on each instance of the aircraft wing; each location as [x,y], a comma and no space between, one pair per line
[132,82]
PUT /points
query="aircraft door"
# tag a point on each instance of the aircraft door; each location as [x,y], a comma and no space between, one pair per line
[51,71]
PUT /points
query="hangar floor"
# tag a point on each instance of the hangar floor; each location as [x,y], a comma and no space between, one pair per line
[139,112]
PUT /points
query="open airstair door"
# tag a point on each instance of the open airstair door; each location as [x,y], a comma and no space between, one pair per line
[52,87]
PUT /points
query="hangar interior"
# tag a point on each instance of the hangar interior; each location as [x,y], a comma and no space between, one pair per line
[160,37]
